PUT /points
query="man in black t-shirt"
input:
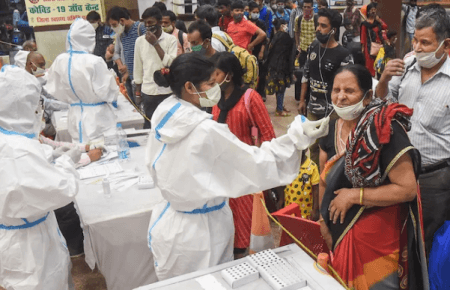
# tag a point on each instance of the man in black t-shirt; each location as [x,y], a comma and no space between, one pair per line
[325,57]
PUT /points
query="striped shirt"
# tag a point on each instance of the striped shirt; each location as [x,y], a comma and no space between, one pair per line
[125,43]
[430,130]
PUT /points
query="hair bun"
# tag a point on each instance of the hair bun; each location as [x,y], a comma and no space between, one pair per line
[162,77]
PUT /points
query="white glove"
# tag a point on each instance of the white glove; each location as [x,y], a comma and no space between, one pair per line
[304,132]
[98,146]
[316,129]
[60,151]
[74,154]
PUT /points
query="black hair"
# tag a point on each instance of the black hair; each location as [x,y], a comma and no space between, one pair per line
[333,16]
[187,67]
[116,13]
[361,74]
[161,6]
[237,5]
[229,63]
[371,6]
[391,33]
[201,26]
[308,1]
[282,1]
[180,25]
[252,5]
[436,18]
[152,12]
[93,16]
[277,22]
[208,13]
[170,14]
[323,3]
[224,3]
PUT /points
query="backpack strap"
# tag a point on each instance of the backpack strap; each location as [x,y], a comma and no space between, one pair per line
[223,41]
[180,38]
[139,29]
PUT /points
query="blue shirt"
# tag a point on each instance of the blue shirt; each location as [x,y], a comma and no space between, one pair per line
[266,16]
[128,40]
[439,266]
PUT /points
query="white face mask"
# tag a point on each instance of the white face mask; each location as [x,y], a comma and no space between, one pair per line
[119,29]
[95,25]
[224,81]
[39,71]
[429,59]
[212,96]
[254,15]
[351,112]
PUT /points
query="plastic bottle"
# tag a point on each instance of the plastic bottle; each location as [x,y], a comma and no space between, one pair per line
[123,150]
[106,187]
[16,17]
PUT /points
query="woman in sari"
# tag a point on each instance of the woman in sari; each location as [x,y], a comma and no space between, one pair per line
[372,32]
[368,190]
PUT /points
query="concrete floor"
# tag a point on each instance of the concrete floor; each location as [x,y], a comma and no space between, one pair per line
[85,279]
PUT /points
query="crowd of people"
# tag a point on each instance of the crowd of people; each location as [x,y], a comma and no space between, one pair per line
[367,158]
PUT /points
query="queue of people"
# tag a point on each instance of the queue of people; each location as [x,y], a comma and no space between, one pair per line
[369,159]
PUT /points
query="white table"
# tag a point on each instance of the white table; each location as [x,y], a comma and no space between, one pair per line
[125,112]
[292,253]
[115,229]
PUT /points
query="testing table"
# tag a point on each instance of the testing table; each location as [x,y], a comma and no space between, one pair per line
[115,228]
[316,280]
[125,112]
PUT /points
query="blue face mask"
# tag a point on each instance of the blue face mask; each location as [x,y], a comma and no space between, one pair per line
[246,14]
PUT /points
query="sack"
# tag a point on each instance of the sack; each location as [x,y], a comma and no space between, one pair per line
[375,48]
[248,61]
[254,130]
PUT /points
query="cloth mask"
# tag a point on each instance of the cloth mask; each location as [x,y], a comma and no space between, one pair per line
[168,29]
[246,14]
[254,16]
[308,14]
[119,29]
[351,112]
[238,17]
[95,25]
[323,38]
[212,96]
[284,28]
[429,59]
[153,29]
[199,49]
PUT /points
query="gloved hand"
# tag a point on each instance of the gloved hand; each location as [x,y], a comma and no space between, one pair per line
[97,146]
[304,132]
[74,154]
[60,151]
[316,129]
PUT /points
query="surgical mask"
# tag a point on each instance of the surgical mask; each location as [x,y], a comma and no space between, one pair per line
[168,29]
[280,6]
[95,25]
[274,7]
[351,112]
[429,59]
[212,96]
[246,14]
[199,49]
[284,28]
[254,16]
[39,71]
[224,81]
[323,38]
[238,17]
[119,29]
[152,29]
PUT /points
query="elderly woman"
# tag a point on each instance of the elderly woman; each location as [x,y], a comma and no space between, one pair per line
[368,189]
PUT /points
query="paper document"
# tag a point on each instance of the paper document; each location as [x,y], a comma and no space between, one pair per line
[100,170]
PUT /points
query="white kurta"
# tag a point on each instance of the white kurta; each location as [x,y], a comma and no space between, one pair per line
[83,80]
[198,164]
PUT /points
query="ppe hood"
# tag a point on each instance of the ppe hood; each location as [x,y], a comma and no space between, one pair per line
[81,36]
[21,58]
[19,98]
[174,119]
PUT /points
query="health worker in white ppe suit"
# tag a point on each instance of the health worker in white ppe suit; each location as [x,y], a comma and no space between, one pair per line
[33,254]
[198,164]
[81,79]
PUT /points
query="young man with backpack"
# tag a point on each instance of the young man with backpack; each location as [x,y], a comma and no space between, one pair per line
[168,26]
[210,15]
[305,30]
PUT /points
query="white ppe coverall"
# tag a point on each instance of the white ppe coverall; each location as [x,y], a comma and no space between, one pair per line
[20,59]
[33,255]
[198,164]
[81,79]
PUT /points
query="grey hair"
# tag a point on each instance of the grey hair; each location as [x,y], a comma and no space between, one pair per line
[437,20]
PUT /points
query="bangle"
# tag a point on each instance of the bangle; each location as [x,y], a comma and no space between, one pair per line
[361,195]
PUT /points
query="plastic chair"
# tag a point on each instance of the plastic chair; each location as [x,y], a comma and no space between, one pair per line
[306,231]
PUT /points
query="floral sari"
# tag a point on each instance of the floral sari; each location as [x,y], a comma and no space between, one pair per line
[378,247]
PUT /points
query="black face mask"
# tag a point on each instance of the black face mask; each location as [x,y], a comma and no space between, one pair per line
[323,38]
[153,29]
[238,17]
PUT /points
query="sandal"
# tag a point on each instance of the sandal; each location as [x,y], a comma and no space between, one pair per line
[282,114]
[286,110]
